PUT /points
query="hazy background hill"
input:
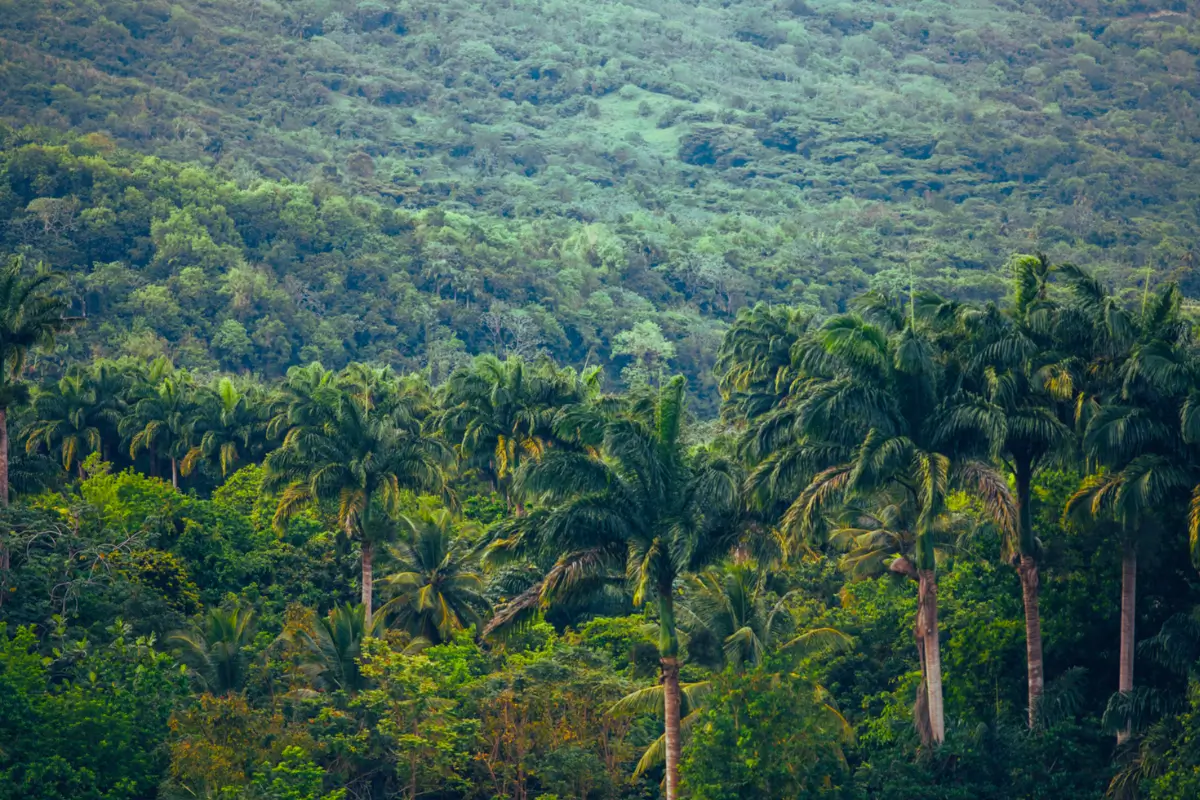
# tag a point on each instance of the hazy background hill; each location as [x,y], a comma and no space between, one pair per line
[408,181]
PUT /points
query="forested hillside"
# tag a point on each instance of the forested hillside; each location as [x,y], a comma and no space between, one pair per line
[543,400]
[379,176]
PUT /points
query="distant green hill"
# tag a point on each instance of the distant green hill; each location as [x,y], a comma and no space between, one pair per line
[579,167]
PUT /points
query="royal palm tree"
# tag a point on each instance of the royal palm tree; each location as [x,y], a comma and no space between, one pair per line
[1018,386]
[63,420]
[361,458]
[162,422]
[31,316]
[1133,409]
[637,507]
[216,649]
[436,587]
[862,420]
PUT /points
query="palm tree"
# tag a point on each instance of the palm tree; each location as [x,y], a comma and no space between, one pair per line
[330,646]
[437,588]
[733,621]
[639,507]
[162,422]
[862,420]
[500,413]
[1135,414]
[361,457]
[303,393]
[1018,385]
[216,648]
[30,317]
[229,426]
[63,419]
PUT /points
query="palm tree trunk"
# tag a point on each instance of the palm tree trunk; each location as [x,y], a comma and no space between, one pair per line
[1027,570]
[368,580]
[668,647]
[3,456]
[927,613]
[671,703]
[1030,581]
[174,472]
[1128,620]
[153,461]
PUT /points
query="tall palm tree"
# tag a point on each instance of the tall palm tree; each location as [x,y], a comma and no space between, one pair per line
[361,457]
[638,507]
[228,429]
[162,422]
[31,316]
[1134,413]
[63,420]
[1018,388]
[862,420]
[436,586]
[216,648]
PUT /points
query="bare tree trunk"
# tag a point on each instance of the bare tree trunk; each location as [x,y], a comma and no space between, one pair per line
[1030,580]
[3,456]
[927,613]
[153,461]
[1030,589]
[921,704]
[1128,620]
[671,703]
[174,472]
[368,580]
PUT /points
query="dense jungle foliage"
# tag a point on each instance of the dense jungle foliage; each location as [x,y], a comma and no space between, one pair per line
[539,400]
[919,555]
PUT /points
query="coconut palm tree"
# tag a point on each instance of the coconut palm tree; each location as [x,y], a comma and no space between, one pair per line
[216,648]
[360,457]
[31,316]
[637,507]
[63,420]
[436,588]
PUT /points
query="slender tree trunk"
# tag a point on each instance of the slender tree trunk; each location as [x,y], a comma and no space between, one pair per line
[1028,571]
[153,461]
[671,703]
[1128,620]
[174,472]
[368,580]
[668,647]
[3,456]
[927,612]
[1030,590]
[921,704]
